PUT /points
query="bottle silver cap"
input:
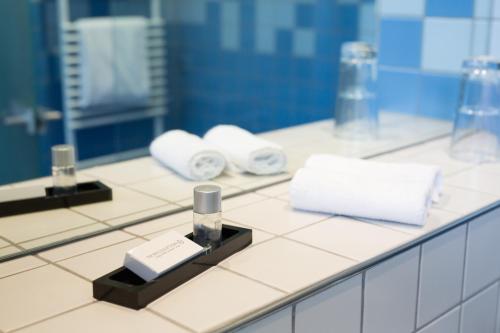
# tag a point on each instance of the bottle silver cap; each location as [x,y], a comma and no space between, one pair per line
[63,155]
[207,199]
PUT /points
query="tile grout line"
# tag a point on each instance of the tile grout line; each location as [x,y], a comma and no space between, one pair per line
[253,279]
[51,317]
[419,280]
[464,263]
[324,250]
[168,319]
[363,291]
[294,315]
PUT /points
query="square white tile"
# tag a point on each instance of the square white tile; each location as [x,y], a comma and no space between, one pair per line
[463,201]
[481,265]
[456,33]
[286,265]
[337,309]
[204,309]
[86,229]
[128,172]
[274,216]
[240,201]
[391,294]
[350,238]
[276,190]
[86,245]
[397,8]
[476,179]
[92,265]
[124,202]
[441,274]
[20,228]
[105,317]
[38,294]
[496,8]
[280,322]
[449,323]
[172,188]
[479,313]
[161,223]
[22,264]
[437,219]
[440,158]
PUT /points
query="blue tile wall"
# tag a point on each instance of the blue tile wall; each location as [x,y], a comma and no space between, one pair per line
[422,44]
[260,64]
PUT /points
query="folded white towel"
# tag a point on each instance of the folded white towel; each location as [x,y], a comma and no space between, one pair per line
[114,66]
[348,194]
[188,155]
[246,151]
[428,174]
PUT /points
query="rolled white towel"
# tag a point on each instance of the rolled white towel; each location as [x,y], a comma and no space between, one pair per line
[428,174]
[188,155]
[348,194]
[246,151]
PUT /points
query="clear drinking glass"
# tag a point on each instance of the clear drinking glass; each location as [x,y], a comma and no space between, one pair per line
[356,114]
[476,132]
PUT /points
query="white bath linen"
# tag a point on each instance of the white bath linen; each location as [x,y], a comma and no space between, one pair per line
[428,174]
[114,64]
[349,194]
[188,155]
[247,152]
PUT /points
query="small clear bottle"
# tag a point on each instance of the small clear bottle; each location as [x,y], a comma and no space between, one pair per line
[63,169]
[207,219]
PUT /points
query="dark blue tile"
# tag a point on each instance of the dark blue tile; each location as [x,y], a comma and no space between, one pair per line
[400,42]
[439,95]
[283,42]
[398,91]
[304,15]
[450,8]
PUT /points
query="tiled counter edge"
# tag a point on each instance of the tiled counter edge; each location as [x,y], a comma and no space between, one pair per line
[435,283]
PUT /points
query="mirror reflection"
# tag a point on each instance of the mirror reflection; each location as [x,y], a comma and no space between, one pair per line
[139,89]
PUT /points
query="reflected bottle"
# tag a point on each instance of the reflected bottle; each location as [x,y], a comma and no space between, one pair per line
[207,217]
[63,169]
[356,114]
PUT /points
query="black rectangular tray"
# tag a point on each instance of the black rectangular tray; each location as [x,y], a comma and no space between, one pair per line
[123,287]
[85,193]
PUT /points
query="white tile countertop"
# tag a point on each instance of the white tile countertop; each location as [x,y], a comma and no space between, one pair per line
[293,254]
[143,188]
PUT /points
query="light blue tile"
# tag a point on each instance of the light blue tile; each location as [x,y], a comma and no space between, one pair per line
[303,42]
[401,8]
[495,39]
[230,25]
[400,42]
[285,14]
[191,11]
[367,22]
[265,39]
[446,43]
[450,8]
[496,9]
[480,37]
[482,8]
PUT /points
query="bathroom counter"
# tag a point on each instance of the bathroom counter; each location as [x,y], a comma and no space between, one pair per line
[305,270]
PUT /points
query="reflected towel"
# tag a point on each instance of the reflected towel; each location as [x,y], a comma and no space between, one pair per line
[428,174]
[247,152]
[188,155]
[114,66]
[319,190]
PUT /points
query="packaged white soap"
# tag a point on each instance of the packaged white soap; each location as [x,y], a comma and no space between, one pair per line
[161,254]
